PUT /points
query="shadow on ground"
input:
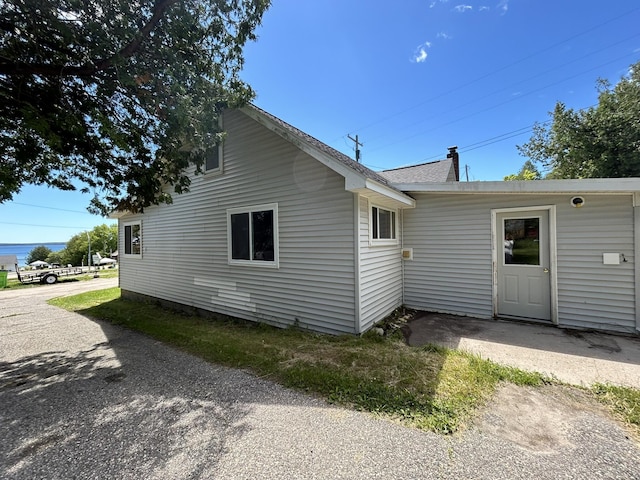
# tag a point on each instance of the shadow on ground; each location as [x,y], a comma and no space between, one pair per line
[452,330]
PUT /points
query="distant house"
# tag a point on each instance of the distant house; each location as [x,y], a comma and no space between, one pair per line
[286,230]
[8,262]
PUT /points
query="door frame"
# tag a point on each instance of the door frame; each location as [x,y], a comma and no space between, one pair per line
[497,248]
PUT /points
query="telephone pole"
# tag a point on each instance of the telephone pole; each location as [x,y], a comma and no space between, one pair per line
[358,145]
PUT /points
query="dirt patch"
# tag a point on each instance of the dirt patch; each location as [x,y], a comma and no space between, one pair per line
[536,418]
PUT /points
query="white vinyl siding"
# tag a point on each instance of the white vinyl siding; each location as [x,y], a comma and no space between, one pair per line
[186,245]
[452,267]
[380,273]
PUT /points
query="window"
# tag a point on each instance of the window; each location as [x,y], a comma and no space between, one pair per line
[133,239]
[383,225]
[253,235]
[213,159]
[522,241]
[213,156]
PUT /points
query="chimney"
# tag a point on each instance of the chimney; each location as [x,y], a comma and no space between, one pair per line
[455,158]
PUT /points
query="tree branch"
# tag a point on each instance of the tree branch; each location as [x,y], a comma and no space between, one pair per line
[9,67]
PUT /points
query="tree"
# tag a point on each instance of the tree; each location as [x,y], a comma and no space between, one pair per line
[38,253]
[599,142]
[120,95]
[104,240]
[528,172]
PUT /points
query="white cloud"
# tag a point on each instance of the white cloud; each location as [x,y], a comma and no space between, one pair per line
[484,8]
[503,6]
[420,55]
[463,8]
[444,36]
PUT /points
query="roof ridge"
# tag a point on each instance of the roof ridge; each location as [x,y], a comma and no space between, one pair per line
[417,165]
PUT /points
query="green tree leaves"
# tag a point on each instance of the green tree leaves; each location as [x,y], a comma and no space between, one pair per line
[599,142]
[121,95]
[38,253]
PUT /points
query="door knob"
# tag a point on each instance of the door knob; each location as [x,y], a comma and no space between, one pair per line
[546,270]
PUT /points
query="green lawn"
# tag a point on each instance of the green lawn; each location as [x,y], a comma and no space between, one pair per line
[431,388]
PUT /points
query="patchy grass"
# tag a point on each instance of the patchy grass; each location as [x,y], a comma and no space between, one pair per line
[624,402]
[431,388]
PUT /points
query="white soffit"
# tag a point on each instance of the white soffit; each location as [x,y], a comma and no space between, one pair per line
[592,185]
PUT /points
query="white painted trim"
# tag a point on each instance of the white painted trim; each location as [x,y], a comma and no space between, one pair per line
[390,192]
[583,186]
[124,238]
[553,255]
[356,263]
[275,263]
[380,242]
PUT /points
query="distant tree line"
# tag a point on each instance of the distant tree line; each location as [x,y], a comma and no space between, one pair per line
[104,240]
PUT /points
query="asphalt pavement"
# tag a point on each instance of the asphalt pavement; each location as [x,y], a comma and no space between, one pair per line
[81,399]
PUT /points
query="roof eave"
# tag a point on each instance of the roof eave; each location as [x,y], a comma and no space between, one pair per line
[592,185]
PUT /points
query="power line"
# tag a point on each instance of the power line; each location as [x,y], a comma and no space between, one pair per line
[44,226]
[540,74]
[440,125]
[482,77]
[49,208]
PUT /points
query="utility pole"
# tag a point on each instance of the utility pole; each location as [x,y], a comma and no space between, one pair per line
[358,145]
[466,171]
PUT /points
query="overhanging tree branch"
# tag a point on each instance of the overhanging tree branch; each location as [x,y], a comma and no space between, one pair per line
[9,67]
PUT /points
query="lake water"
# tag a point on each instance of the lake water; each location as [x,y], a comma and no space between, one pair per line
[21,250]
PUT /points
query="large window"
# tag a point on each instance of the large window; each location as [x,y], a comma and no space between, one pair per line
[253,235]
[133,239]
[383,225]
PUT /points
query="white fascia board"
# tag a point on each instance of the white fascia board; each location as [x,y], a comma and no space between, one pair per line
[589,185]
[381,189]
[115,214]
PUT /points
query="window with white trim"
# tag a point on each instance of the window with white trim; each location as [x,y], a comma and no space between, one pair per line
[253,235]
[133,238]
[383,226]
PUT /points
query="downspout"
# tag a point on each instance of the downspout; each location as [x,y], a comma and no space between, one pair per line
[356,262]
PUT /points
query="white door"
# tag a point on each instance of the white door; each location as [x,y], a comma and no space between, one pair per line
[523,267]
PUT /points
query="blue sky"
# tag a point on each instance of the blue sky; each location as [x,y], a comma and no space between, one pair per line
[410,78]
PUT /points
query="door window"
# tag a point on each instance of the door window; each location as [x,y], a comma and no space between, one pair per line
[521,241]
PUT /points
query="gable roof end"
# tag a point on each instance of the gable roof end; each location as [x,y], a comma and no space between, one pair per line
[358,178]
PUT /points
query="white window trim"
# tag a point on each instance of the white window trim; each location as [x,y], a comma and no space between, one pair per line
[382,241]
[124,238]
[275,263]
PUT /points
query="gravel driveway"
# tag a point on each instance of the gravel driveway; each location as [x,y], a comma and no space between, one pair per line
[83,399]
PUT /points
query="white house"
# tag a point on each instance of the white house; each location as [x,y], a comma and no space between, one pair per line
[286,230]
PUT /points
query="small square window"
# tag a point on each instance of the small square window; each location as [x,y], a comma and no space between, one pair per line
[383,226]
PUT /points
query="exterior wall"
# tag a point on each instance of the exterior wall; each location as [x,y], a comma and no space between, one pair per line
[184,245]
[452,267]
[380,273]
